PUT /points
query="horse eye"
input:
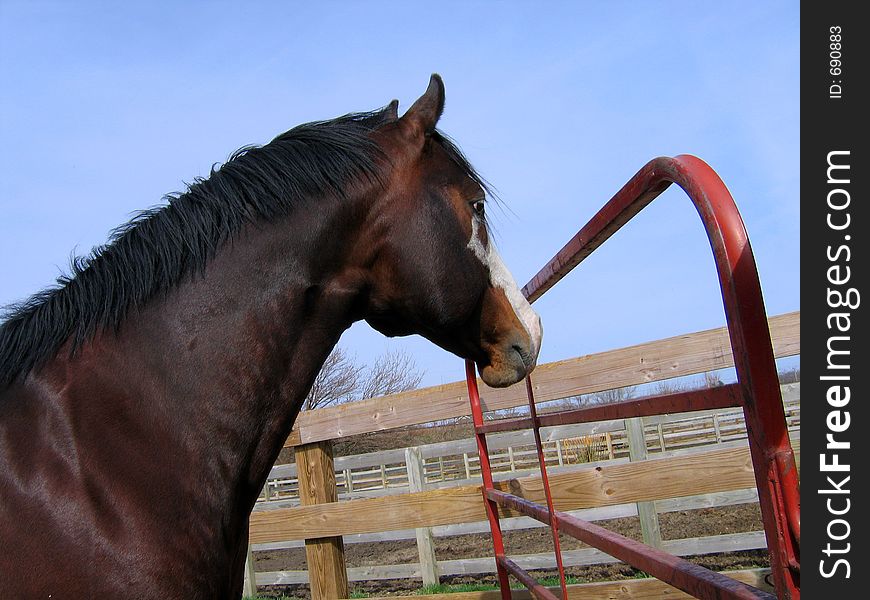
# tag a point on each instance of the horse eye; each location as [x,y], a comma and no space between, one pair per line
[478,207]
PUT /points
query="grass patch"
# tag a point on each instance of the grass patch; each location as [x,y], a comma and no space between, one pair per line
[554,581]
[463,587]
[474,587]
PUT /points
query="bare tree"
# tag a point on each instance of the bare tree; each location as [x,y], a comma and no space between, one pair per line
[670,386]
[337,381]
[792,375]
[712,379]
[392,372]
[593,399]
[614,395]
[342,379]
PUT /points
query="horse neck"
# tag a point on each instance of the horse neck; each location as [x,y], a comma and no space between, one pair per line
[214,374]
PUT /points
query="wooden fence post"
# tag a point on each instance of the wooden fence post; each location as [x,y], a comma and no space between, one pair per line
[327,572]
[249,587]
[649,518]
[425,540]
[716,428]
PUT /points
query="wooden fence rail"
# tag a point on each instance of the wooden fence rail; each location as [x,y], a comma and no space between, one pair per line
[696,460]
[654,361]
[571,558]
[618,511]
[385,472]
[679,473]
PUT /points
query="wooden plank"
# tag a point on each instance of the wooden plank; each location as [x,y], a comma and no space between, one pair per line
[507,475]
[678,421]
[790,393]
[643,363]
[603,513]
[545,560]
[393,491]
[704,472]
[457,447]
[626,589]
[324,555]
[425,540]
[496,442]
[703,501]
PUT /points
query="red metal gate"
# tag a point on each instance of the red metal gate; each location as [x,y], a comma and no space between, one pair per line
[756,390]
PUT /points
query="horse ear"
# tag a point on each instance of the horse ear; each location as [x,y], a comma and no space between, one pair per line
[425,112]
[392,111]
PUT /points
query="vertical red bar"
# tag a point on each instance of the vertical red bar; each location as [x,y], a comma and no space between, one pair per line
[486,474]
[545,480]
[772,455]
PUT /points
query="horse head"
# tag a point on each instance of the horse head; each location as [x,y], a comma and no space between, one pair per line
[437,272]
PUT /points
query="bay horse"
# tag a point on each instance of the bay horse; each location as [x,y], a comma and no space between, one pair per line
[145,398]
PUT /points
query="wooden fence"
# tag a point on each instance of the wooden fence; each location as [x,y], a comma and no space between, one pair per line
[386,472]
[680,470]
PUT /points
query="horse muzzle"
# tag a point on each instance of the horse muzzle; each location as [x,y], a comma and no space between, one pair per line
[512,360]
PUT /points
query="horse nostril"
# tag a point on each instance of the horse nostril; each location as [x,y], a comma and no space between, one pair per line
[523,353]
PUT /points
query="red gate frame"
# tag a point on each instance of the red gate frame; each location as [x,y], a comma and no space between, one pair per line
[756,390]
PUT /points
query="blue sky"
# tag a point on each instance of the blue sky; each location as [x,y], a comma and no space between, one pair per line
[106,107]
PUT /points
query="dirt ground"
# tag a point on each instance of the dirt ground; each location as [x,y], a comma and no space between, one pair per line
[677,525]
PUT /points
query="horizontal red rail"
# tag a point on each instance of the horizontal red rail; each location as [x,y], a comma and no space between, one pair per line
[726,396]
[506,425]
[536,589]
[675,571]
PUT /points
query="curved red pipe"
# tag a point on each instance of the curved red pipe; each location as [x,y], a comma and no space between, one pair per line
[772,455]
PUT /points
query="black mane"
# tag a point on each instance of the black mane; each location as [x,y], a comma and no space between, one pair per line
[158,248]
[147,256]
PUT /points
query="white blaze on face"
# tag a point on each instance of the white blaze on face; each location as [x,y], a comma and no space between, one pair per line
[500,277]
